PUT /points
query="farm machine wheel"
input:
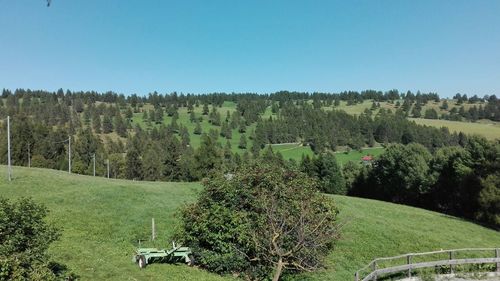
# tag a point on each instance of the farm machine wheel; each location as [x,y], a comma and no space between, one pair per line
[142,261]
[191,260]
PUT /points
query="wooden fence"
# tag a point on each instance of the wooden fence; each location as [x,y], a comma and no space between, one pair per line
[412,261]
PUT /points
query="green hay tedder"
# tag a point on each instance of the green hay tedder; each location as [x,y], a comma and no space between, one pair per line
[145,256]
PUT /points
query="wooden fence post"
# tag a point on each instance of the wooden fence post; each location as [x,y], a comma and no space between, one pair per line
[497,255]
[153,229]
[356,276]
[374,268]
[451,265]
[408,261]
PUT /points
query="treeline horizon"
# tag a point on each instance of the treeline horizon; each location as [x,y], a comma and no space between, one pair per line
[379,95]
[41,123]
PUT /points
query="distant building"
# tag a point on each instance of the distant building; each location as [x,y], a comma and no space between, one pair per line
[367,159]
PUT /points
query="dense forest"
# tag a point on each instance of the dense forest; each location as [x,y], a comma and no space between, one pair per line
[446,171]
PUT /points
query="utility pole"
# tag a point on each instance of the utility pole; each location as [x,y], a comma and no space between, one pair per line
[29,156]
[69,154]
[107,162]
[94,163]
[9,168]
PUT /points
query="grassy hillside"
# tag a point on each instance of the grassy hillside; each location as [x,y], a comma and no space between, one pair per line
[485,128]
[360,107]
[355,155]
[205,125]
[292,150]
[102,219]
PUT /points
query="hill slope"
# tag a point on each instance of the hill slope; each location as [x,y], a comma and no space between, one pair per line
[102,220]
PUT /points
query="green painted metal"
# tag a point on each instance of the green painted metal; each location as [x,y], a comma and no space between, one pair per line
[145,256]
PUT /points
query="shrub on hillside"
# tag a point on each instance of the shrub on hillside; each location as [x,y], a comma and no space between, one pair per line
[261,221]
[24,240]
[489,201]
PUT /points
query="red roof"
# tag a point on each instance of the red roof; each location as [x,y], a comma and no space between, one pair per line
[367,158]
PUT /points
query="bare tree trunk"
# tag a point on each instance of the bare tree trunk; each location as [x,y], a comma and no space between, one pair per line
[279,268]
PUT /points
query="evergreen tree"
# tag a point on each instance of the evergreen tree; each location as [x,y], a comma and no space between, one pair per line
[187,166]
[205,109]
[208,157]
[96,122]
[185,139]
[173,124]
[229,133]
[190,107]
[197,129]
[107,124]
[172,111]
[329,174]
[172,153]
[431,113]
[489,200]
[260,138]
[152,116]
[243,142]
[416,112]
[235,119]
[242,127]
[223,129]
[159,115]
[192,117]
[152,164]
[133,164]
[85,145]
[216,121]
[78,106]
[129,114]
[86,117]
[444,106]
[120,126]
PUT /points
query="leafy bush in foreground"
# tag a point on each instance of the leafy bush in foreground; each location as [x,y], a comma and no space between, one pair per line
[24,239]
[259,222]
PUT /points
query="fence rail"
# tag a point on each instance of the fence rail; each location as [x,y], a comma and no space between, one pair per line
[410,265]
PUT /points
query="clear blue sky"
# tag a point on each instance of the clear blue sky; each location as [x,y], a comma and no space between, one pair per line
[263,46]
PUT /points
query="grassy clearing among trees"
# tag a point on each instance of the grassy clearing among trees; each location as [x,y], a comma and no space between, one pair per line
[184,119]
[488,129]
[102,220]
[355,155]
[292,150]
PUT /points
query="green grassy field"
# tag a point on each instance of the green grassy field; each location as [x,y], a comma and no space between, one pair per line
[296,150]
[205,125]
[485,128]
[355,155]
[292,150]
[102,219]
[358,108]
